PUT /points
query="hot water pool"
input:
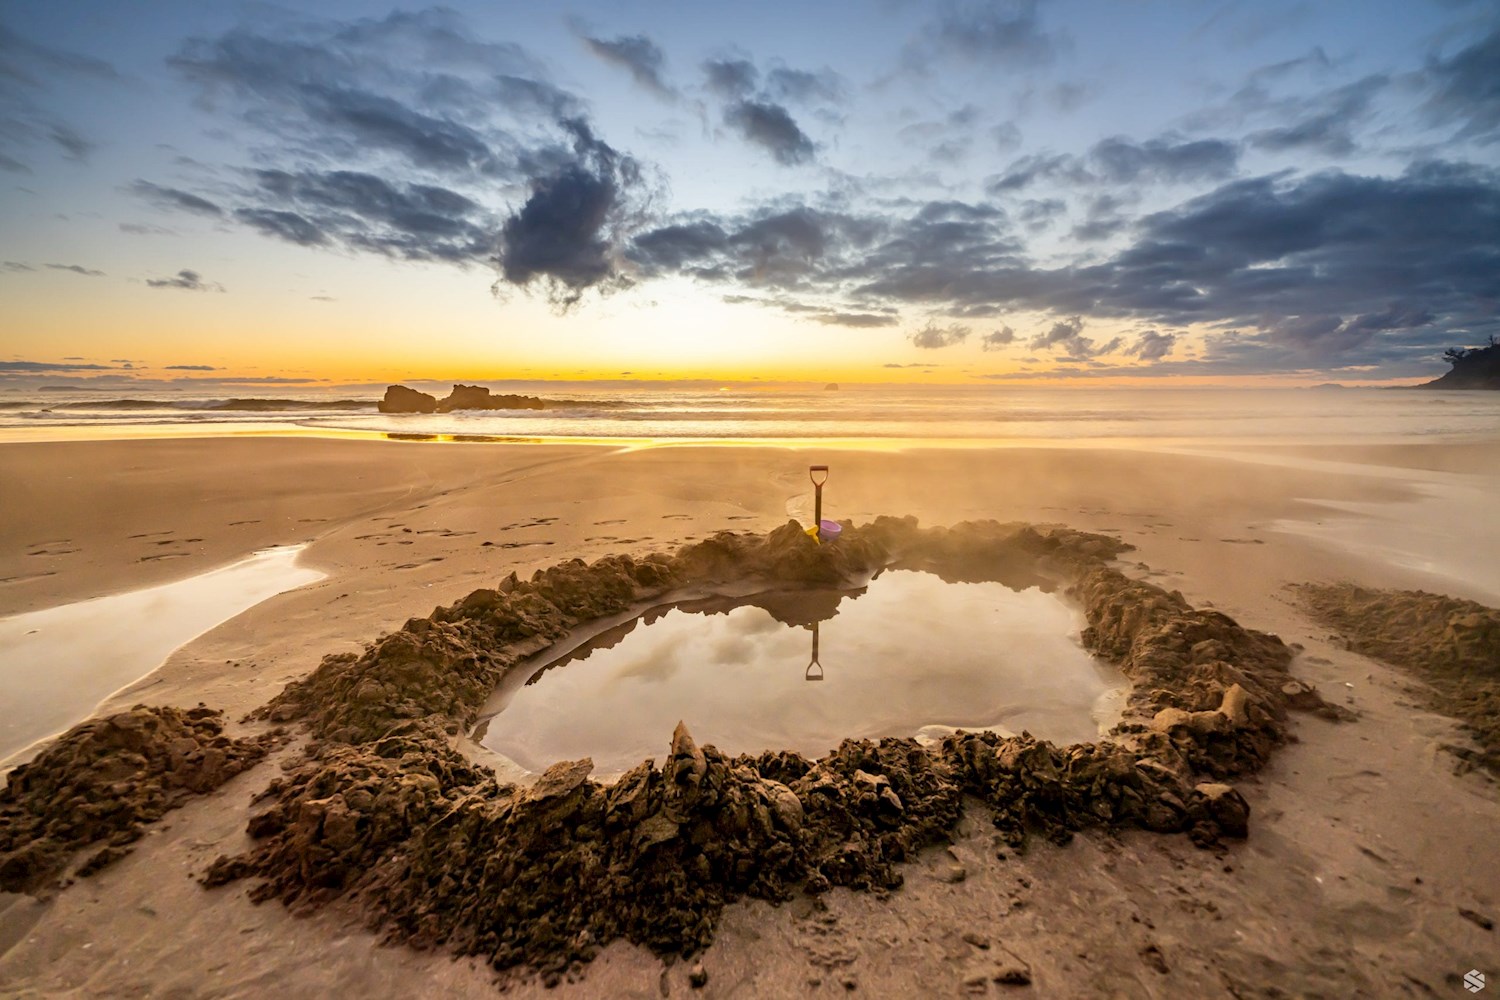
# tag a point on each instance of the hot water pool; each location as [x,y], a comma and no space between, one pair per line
[910,655]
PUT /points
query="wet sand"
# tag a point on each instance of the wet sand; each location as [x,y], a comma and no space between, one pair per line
[1363,845]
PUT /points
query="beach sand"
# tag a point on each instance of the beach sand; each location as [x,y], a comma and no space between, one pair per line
[1364,846]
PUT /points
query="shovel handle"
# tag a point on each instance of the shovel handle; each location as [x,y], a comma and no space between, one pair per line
[813,471]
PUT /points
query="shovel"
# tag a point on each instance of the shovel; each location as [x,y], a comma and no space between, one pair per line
[820,531]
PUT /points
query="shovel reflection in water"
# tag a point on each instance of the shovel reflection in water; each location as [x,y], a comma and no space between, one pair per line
[813,664]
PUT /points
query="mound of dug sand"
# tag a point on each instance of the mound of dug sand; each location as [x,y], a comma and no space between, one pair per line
[104,780]
[1452,644]
[384,812]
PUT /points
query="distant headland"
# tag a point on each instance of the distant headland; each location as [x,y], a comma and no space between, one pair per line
[1473,368]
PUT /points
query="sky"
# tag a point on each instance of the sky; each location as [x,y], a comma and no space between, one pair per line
[1049,191]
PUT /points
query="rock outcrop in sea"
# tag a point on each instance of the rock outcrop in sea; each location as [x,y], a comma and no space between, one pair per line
[401,399]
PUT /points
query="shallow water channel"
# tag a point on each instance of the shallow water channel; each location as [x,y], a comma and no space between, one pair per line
[58,664]
[910,655]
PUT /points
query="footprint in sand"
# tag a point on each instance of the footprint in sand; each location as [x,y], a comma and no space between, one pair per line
[511,545]
[675,517]
[164,555]
[234,524]
[617,520]
[1244,541]
[415,565]
[52,552]
[149,534]
[23,577]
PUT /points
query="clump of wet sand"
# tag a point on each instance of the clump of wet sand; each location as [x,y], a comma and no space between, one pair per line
[104,780]
[383,811]
[1451,644]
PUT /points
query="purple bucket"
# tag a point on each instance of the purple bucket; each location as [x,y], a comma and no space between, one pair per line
[828,531]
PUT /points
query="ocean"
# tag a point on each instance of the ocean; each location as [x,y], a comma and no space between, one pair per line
[740,412]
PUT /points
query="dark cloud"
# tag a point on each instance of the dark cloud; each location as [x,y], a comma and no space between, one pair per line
[1152,345]
[23,61]
[1002,33]
[807,249]
[771,127]
[18,266]
[73,145]
[637,54]
[1325,335]
[1467,89]
[145,229]
[175,198]
[283,225]
[396,135]
[1103,219]
[690,247]
[27,70]
[856,320]
[731,78]
[1068,97]
[366,212]
[805,87]
[819,313]
[1024,172]
[1118,160]
[1325,124]
[1065,336]
[417,87]
[1394,260]
[187,280]
[1256,252]
[1006,136]
[567,235]
[22,367]
[997,339]
[87,272]
[1038,213]
[192,368]
[932,337]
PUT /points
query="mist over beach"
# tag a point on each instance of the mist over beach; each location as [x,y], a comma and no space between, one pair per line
[978,498]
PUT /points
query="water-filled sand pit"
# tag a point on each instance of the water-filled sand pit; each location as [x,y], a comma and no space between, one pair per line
[910,655]
[384,807]
[57,664]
